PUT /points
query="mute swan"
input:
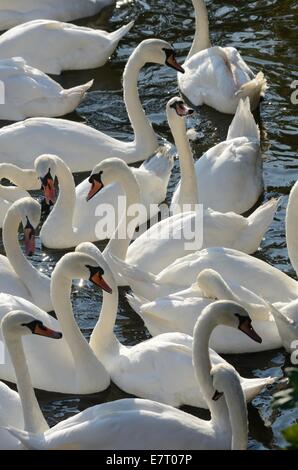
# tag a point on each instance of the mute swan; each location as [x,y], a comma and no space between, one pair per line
[30,92]
[235,267]
[22,142]
[73,219]
[132,423]
[179,312]
[11,414]
[171,238]
[69,47]
[22,407]
[71,366]
[17,275]
[143,370]
[14,12]
[23,179]
[229,175]
[166,240]
[217,76]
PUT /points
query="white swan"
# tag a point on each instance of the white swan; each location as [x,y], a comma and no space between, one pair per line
[74,220]
[14,12]
[130,423]
[23,407]
[11,414]
[17,275]
[229,175]
[23,179]
[217,76]
[234,266]
[143,370]
[30,92]
[71,365]
[80,146]
[69,47]
[179,312]
[174,237]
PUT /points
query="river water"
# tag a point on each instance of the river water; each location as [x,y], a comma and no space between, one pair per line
[265,32]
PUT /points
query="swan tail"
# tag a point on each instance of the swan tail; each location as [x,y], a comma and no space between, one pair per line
[161,163]
[257,225]
[254,89]
[74,96]
[117,35]
[29,440]
[244,124]
[252,387]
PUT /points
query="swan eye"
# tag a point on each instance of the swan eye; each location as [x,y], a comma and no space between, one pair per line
[217,395]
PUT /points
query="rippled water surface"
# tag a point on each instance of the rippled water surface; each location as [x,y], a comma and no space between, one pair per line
[265,32]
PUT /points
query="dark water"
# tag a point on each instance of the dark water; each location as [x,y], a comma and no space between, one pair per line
[265,32]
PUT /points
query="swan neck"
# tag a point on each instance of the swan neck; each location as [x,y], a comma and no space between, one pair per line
[188,184]
[201,39]
[202,365]
[236,405]
[62,213]
[60,294]
[103,339]
[291,227]
[119,242]
[26,272]
[144,135]
[25,179]
[34,420]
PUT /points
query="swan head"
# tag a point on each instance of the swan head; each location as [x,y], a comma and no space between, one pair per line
[230,313]
[107,172]
[159,52]
[18,322]
[225,381]
[211,284]
[29,212]
[46,169]
[176,109]
[79,265]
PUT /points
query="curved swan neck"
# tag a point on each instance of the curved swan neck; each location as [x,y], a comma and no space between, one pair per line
[25,179]
[201,40]
[188,183]
[103,338]
[34,420]
[119,242]
[80,349]
[238,417]
[201,358]
[143,130]
[62,213]
[26,272]
[291,227]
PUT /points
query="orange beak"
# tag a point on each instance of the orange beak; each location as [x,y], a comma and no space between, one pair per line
[49,191]
[172,62]
[96,186]
[100,282]
[29,241]
[47,332]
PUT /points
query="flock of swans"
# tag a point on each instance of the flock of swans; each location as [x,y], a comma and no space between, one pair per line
[195,304]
